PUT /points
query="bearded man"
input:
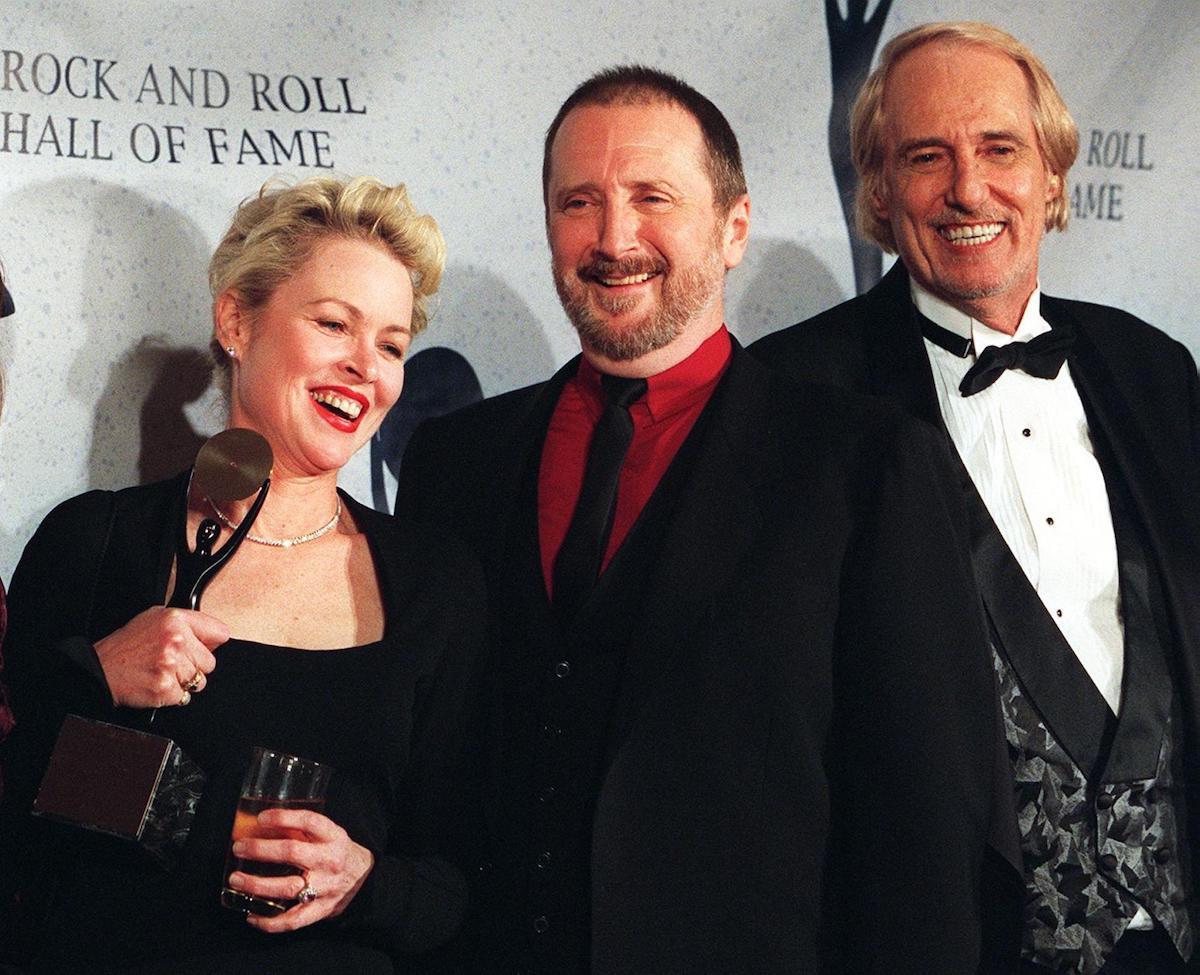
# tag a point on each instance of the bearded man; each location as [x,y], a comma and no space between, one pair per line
[740,710]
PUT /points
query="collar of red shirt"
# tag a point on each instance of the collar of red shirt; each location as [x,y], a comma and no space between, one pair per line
[670,391]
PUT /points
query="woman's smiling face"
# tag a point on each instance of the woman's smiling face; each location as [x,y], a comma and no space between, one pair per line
[317,368]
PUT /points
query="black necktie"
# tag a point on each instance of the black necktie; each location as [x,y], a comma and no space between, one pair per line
[579,559]
[1042,357]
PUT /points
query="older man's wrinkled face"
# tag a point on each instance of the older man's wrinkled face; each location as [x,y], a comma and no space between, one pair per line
[639,251]
[965,186]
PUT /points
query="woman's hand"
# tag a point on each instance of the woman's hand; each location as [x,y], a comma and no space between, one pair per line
[333,867]
[160,657]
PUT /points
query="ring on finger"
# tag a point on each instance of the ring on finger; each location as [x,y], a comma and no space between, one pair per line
[308,893]
[185,698]
[194,684]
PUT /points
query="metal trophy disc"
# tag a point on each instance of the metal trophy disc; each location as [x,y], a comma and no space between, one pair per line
[232,465]
[229,467]
[142,787]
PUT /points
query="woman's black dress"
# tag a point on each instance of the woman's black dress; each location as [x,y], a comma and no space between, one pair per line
[389,717]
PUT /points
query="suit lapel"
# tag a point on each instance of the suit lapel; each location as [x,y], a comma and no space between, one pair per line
[1034,647]
[898,367]
[1149,466]
[513,562]
[715,520]
[1124,452]
[514,512]
[1050,673]
[524,625]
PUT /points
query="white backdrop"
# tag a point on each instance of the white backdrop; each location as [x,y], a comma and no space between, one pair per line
[114,185]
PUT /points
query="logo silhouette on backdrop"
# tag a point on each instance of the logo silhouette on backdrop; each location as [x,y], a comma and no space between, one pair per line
[852,43]
[436,381]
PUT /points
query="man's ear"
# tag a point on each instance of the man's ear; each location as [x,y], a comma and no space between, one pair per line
[880,205]
[1054,186]
[735,233]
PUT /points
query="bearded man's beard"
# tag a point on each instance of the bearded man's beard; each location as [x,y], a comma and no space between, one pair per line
[684,295]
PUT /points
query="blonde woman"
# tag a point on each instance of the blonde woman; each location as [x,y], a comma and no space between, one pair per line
[334,632]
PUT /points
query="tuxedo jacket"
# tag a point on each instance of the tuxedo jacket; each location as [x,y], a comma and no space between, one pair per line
[800,753]
[1140,394]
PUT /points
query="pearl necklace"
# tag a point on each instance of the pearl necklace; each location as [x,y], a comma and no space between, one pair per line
[283,542]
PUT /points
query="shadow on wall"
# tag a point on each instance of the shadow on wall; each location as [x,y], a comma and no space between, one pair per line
[143,321]
[437,381]
[144,283]
[485,341]
[181,376]
[778,284]
[486,321]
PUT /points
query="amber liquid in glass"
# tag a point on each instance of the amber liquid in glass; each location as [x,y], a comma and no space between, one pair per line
[245,826]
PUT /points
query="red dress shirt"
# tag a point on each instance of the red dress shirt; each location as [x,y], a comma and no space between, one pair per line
[662,419]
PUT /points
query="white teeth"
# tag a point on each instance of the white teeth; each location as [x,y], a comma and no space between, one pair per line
[348,406]
[970,234]
[632,279]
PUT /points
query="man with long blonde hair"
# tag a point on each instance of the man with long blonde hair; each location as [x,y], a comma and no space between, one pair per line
[1074,427]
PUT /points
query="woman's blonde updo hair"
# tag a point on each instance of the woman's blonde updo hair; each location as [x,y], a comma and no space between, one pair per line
[275,232]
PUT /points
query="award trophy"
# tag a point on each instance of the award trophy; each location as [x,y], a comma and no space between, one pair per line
[129,783]
[229,467]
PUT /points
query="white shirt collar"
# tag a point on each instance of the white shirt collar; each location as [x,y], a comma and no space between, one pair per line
[960,323]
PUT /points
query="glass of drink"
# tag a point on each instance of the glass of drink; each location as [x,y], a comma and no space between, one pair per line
[274,780]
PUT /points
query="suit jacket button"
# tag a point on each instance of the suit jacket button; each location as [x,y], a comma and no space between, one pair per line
[546,794]
[540,925]
[562,669]
[1108,862]
[1105,800]
[1162,855]
[543,860]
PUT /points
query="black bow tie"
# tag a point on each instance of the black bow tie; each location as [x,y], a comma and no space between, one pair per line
[1042,356]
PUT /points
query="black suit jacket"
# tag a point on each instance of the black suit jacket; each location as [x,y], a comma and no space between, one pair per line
[1142,399]
[803,740]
